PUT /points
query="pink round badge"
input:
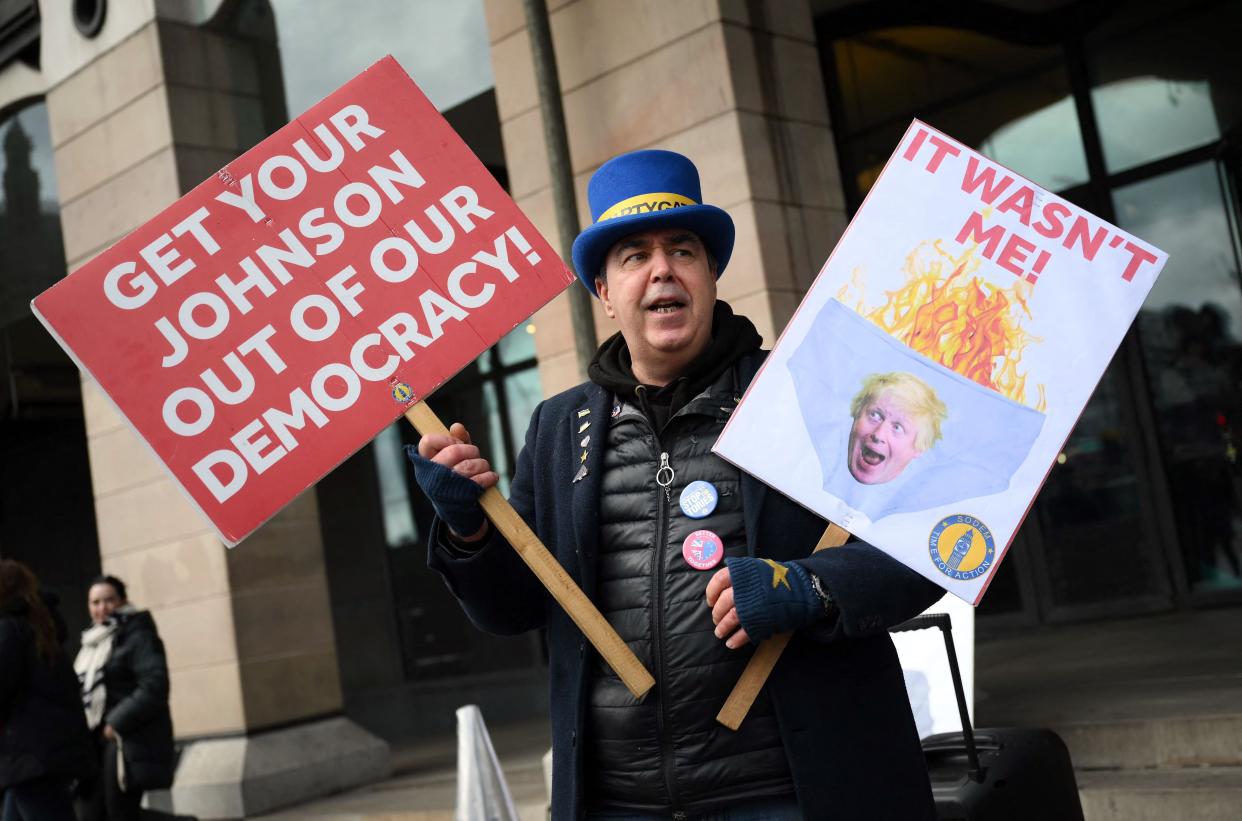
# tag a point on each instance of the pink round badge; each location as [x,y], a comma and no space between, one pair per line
[702,550]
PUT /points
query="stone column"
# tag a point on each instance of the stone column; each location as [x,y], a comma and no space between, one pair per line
[734,85]
[140,115]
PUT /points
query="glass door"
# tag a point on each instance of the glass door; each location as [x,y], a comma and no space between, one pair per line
[1190,334]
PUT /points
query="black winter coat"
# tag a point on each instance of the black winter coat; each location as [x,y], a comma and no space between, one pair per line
[839,694]
[136,678]
[42,726]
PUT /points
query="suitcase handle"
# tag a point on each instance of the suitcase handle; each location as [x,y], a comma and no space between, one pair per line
[945,624]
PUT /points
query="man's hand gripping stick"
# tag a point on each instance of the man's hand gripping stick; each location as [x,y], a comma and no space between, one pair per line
[549,571]
[766,655]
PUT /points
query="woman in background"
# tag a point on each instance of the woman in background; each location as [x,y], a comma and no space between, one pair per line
[44,744]
[124,686]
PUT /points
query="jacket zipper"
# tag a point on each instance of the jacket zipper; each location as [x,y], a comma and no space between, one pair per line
[664,479]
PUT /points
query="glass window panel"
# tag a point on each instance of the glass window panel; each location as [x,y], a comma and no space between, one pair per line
[1009,102]
[324,43]
[887,74]
[497,453]
[1168,86]
[1097,547]
[1044,146]
[1182,213]
[1146,118]
[1030,125]
[32,255]
[391,467]
[523,392]
[1189,330]
[518,345]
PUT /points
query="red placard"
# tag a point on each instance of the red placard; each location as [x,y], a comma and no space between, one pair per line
[273,320]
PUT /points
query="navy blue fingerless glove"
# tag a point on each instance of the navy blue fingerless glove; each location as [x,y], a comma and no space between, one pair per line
[454,497]
[772,597]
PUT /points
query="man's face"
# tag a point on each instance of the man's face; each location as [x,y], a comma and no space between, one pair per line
[881,440]
[102,600]
[661,289]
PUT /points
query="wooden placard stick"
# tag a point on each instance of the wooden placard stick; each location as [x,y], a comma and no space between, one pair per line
[739,702]
[549,571]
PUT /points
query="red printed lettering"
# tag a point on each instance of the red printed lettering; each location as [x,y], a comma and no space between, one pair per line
[1020,202]
[973,230]
[987,178]
[1138,258]
[1015,254]
[1080,232]
[915,144]
[1052,226]
[943,149]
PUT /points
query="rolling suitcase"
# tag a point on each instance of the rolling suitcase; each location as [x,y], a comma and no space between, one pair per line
[1009,774]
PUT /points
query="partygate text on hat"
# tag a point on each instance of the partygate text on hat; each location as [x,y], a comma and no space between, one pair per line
[645,204]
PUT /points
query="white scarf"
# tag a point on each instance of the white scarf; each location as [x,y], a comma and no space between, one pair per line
[96,648]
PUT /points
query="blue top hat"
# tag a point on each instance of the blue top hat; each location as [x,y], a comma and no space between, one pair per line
[640,191]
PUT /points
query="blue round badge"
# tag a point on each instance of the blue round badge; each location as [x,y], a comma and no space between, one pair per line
[402,393]
[699,499]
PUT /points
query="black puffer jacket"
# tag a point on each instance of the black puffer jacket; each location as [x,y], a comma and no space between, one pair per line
[668,751]
[136,678]
[42,726]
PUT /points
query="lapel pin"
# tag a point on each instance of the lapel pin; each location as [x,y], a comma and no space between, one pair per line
[583,412]
[582,458]
[582,472]
[586,440]
[582,428]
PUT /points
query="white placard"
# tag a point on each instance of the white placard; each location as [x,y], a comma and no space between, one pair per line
[927,382]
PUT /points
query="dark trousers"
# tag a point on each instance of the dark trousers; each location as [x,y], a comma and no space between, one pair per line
[102,798]
[44,799]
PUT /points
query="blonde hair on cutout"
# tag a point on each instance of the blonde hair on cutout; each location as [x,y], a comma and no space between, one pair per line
[914,395]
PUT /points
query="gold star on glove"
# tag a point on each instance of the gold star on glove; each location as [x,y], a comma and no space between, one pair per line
[779,574]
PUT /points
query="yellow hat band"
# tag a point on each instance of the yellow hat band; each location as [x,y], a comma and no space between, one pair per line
[645,204]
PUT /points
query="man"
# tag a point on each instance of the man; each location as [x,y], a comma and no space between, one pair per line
[618,480]
[897,417]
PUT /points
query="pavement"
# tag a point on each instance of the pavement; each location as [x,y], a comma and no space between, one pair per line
[1177,664]
[423,786]
[1150,707]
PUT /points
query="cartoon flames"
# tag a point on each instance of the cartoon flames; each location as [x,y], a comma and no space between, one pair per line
[961,321]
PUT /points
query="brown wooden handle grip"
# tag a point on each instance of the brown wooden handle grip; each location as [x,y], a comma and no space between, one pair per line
[760,666]
[549,571]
